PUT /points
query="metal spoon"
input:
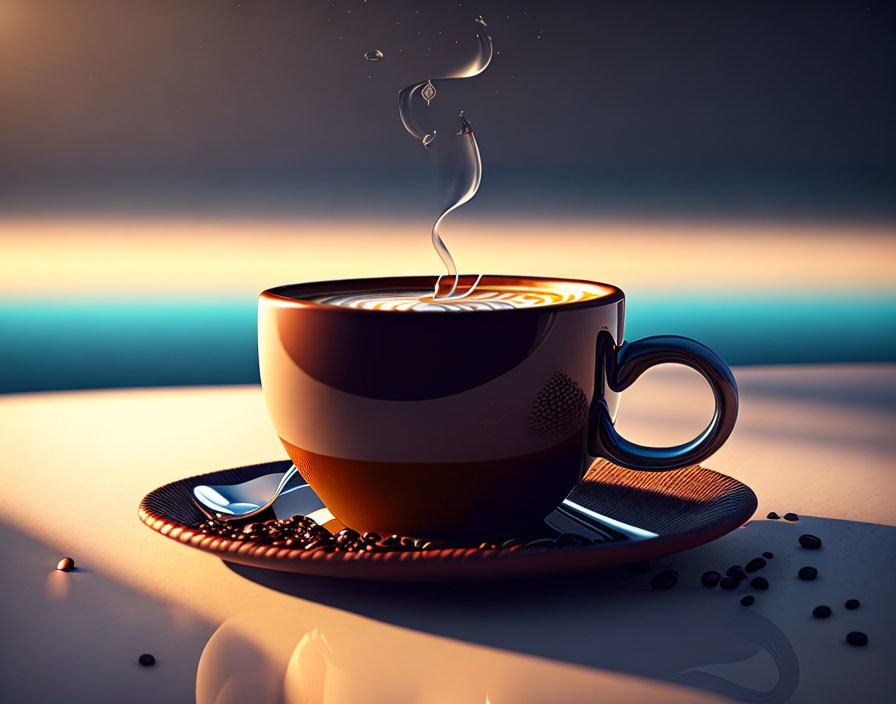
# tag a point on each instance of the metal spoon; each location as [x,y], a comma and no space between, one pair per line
[233,502]
[289,495]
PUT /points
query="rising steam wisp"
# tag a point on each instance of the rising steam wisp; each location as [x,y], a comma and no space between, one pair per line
[460,161]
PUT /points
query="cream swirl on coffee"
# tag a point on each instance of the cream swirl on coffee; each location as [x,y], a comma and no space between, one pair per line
[483,298]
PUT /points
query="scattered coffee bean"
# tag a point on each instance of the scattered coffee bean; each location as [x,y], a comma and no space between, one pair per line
[821,611]
[773,516]
[66,564]
[748,600]
[856,638]
[760,583]
[810,542]
[807,573]
[791,517]
[729,583]
[371,537]
[146,660]
[710,578]
[737,572]
[757,563]
[664,580]
[851,604]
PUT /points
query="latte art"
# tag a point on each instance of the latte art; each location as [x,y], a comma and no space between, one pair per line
[482,298]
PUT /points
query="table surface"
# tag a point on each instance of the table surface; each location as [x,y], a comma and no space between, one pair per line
[817,441]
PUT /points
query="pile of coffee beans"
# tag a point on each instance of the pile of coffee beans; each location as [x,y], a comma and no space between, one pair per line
[302,532]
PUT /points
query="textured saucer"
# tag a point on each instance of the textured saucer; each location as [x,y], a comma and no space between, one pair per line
[685,508]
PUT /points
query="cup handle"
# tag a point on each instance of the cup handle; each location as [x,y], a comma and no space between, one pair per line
[619,367]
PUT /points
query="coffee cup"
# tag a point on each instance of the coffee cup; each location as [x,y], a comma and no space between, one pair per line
[463,418]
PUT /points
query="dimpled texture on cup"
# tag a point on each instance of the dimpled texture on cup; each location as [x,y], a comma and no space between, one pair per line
[559,409]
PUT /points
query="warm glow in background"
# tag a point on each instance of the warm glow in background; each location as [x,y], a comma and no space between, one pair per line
[161,163]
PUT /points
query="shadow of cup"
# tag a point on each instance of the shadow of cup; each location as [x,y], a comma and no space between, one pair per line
[323,655]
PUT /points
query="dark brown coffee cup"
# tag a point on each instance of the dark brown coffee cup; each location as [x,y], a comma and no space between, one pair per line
[463,423]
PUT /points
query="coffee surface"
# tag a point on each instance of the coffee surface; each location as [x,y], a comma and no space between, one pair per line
[483,297]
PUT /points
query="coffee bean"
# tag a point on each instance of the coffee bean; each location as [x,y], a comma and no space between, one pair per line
[729,583]
[856,638]
[821,611]
[407,542]
[760,583]
[347,535]
[710,579]
[773,516]
[757,563]
[425,545]
[807,573]
[66,564]
[146,660]
[748,600]
[511,543]
[737,572]
[810,542]
[791,517]
[318,543]
[664,580]
[391,540]
[486,545]
[851,604]
[768,555]
[371,537]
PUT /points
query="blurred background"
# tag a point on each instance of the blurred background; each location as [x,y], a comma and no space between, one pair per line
[730,165]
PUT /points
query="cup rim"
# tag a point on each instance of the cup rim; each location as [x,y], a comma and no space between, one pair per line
[278,294]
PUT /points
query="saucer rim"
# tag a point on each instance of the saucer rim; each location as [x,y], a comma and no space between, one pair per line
[455,564]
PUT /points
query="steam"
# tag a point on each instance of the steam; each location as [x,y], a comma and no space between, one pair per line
[459,159]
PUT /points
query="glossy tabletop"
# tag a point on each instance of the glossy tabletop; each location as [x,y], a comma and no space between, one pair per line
[817,441]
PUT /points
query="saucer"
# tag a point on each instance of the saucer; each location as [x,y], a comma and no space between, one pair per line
[631,515]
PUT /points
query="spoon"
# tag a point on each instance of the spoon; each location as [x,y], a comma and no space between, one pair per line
[289,495]
[234,502]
